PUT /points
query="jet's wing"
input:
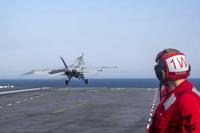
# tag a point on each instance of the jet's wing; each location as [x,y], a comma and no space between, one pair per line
[101,69]
[96,69]
[46,72]
[57,71]
[38,72]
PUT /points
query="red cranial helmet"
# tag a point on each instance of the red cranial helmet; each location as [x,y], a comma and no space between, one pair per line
[171,65]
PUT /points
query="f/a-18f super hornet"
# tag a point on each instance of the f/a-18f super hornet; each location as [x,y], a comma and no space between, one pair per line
[76,70]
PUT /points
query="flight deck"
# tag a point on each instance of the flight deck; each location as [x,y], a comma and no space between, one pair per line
[76,110]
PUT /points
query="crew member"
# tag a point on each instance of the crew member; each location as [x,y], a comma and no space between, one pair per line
[179,109]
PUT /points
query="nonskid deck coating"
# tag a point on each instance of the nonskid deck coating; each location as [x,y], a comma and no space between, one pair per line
[90,110]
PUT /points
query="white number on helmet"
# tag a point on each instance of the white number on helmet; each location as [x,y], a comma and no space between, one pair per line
[177,63]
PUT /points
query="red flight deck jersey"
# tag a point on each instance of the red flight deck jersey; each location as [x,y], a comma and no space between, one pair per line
[179,112]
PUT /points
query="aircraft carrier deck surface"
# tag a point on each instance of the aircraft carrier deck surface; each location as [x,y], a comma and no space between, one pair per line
[76,110]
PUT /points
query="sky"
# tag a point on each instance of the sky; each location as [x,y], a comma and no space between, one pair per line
[123,33]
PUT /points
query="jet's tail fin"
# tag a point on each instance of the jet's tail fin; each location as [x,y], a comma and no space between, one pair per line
[66,67]
[79,62]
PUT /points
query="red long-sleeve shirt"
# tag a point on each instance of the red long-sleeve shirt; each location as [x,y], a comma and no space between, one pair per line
[179,112]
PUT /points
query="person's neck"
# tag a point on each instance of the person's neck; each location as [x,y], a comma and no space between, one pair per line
[174,84]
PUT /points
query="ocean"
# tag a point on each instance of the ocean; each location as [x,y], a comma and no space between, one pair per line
[119,83]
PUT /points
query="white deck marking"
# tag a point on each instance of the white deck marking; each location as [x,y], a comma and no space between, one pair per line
[31,98]
[152,110]
[148,126]
[18,102]
[24,90]
[151,114]
[9,105]
[25,100]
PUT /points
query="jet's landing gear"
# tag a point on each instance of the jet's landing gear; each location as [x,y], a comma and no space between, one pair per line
[86,81]
[66,82]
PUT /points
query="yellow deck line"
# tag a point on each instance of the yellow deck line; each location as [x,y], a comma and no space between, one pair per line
[69,108]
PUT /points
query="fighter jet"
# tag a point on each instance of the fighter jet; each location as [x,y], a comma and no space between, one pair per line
[76,70]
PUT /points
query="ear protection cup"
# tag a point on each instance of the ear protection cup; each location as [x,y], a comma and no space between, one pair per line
[189,68]
[160,71]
